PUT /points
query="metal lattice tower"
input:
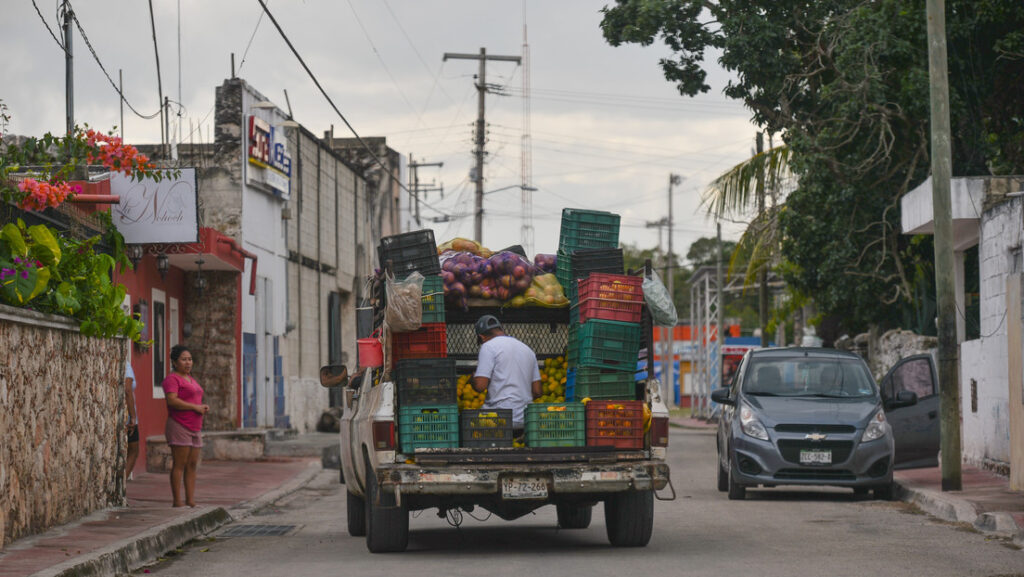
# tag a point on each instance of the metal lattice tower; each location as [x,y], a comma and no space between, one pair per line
[526,151]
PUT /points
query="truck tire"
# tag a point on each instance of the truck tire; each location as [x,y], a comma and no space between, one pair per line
[356,515]
[629,518]
[387,524]
[574,516]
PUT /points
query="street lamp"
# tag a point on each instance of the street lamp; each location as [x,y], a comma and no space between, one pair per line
[519,186]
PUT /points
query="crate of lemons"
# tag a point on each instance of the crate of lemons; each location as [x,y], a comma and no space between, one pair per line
[552,383]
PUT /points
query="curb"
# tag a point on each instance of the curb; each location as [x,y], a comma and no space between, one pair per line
[957,510]
[128,555]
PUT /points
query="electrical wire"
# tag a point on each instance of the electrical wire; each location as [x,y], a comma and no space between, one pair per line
[48,29]
[380,59]
[251,37]
[96,57]
[335,107]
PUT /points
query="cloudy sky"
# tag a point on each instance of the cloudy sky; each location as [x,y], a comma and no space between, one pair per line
[607,128]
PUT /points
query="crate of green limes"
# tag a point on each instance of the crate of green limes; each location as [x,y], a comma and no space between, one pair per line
[555,425]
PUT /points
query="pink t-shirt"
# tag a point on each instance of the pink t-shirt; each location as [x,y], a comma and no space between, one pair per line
[189,391]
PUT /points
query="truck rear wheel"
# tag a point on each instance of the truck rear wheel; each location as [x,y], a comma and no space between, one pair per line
[356,509]
[629,518]
[574,516]
[387,524]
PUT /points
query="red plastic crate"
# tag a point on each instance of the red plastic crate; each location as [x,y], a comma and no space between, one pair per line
[429,342]
[615,424]
[612,297]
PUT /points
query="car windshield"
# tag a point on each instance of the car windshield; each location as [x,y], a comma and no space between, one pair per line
[808,377]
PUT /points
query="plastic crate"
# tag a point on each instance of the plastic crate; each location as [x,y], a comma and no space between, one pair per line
[410,251]
[609,344]
[613,297]
[555,425]
[573,353]
[588,229]
[615,424]
[601,384]
[426,381]
[570,268]
[434,426]
[433,299]
[486,428]
[429,342]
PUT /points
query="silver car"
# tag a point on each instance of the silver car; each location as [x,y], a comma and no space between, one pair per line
[805,416]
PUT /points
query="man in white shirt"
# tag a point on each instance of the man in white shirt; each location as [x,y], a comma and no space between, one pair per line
[507,369]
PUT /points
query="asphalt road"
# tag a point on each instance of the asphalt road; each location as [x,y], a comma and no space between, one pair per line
[775,532]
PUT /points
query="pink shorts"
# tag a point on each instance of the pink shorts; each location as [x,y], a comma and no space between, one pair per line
[177,434]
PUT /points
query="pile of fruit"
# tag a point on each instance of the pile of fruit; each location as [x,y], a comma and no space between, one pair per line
[552,380]
[467,397]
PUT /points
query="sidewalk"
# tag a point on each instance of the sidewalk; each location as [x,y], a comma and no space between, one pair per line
[116,541]
[985,501]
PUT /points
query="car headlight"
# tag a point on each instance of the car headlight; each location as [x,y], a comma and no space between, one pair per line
[750,425]
[876,427]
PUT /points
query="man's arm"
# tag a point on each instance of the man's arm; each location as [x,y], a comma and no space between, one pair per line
[129,398]
[480,384]
[536,389]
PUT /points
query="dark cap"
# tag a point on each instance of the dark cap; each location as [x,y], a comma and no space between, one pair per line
[486,323]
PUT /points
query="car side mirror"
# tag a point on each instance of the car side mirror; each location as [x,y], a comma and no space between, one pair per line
[721,396]
[333,375]
[904,399]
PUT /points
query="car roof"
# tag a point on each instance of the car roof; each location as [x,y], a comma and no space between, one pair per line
[816,352]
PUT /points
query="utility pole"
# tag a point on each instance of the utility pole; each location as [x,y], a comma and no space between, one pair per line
[481,87]
[69,71]
[945,285]
[720,312]
[414,166]
[762,293]
[668,340]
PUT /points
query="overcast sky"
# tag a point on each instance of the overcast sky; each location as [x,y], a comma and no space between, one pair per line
[607,128]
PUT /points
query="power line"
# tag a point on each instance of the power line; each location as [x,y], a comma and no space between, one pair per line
[380,59]
[48,29]
[85,37]
[334,106]
[249,44]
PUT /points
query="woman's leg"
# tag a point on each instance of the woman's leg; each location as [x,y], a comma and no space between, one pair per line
[190,475]
[180,454]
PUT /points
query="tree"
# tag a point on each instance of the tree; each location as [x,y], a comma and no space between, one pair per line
[845,83]
[704,251]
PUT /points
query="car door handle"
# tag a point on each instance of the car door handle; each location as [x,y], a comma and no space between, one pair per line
[933,414]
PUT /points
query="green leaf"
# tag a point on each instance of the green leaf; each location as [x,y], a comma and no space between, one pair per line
[46,248]
[12,236]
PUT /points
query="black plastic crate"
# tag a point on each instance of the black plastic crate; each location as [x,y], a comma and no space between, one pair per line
[485,428]
[410,251]
[580,263]
[426,381]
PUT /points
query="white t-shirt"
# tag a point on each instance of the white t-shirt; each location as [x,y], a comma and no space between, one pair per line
[512,367]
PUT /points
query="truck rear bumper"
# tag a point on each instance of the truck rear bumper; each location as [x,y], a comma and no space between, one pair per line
[485,480]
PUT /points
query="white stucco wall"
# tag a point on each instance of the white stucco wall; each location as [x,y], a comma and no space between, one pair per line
[985,432]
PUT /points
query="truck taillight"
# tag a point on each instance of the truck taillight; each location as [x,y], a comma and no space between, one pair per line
[659,432]
[384,435]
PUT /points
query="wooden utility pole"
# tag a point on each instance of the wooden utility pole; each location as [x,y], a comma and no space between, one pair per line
[481,87]
[69,72]
[416,190]
[762,293]
[668,354]
[945,285]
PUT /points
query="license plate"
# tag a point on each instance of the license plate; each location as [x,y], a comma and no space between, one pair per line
[815,457]
[524,488]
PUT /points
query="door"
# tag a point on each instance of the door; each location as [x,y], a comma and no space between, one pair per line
[264,377]
[915,428]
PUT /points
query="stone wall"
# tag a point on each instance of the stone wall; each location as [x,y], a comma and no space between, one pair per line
[889,348]
[215,317]
[62,411]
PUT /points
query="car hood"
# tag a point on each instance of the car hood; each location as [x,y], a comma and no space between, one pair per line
[813,410]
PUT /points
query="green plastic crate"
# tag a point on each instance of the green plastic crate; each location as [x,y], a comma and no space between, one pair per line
[573,356]
[603,384]
[555,425]
[609,344]
[435,426]
[588,229]
[433,299]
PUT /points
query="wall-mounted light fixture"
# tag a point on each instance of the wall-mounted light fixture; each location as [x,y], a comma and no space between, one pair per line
[200,282]
[263,104]
[134,254]
[163,264]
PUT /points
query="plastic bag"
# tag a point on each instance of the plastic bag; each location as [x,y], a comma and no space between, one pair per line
[659,302]
[545,263]
[404,310]
[545,291]
[511,275]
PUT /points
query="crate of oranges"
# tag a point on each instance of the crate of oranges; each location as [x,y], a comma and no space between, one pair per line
[615,424]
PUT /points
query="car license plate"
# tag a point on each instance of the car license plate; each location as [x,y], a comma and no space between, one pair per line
[815,457]
[524,488]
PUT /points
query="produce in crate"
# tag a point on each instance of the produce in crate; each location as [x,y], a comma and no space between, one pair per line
[552,380]
[467,397]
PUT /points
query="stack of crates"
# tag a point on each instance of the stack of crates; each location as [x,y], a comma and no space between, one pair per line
[417,252]
[428,416]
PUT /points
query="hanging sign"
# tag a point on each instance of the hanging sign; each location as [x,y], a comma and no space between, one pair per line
[157,212]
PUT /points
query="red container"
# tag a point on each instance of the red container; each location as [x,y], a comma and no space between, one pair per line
[612,297]
[429,342]
[615,424]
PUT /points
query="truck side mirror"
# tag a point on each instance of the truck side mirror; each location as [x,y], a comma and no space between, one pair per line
[333,375]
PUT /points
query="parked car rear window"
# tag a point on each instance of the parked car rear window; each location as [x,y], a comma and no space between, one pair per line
[808,376]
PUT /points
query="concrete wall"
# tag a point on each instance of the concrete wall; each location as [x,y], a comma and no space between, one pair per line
[61,423]
[985,361]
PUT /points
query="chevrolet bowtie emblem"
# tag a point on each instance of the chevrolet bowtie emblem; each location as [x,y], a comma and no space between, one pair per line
[815,437]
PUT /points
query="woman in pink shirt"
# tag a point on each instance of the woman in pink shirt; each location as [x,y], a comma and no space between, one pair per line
[185,410]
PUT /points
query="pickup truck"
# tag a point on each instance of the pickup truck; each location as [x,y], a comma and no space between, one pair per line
[384,484]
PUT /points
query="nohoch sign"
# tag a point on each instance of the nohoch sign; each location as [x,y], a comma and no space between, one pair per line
[157,212]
